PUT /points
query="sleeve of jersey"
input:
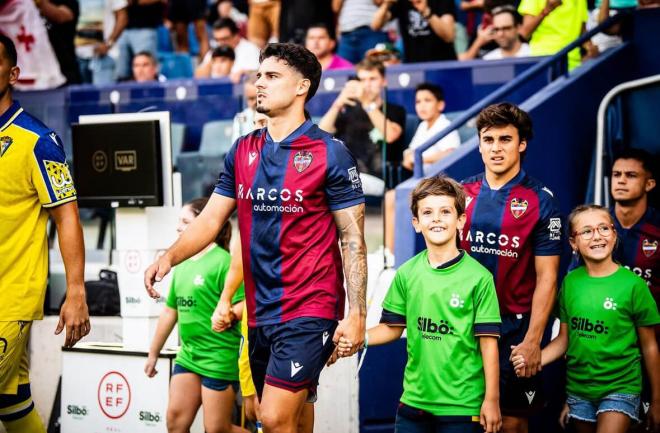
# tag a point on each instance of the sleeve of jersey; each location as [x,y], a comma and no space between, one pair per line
[226,180]
[531,7]
[50,173]
[395,300]
[391,318]
[487,311]
[239,295]
[645,310]
[548,232]
[343,186]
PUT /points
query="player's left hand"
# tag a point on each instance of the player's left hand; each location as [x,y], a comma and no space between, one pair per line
[653,417]
[352,329]
[74,316]
[490,417]
[531,353]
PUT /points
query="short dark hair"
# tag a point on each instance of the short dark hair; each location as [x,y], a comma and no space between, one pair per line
[436,90]
[298,58]
[645,158]
[224,235]
[508,9]
[368,64]
[438,185]
[149,55]
[226,23]
[223,51]
[10,49]
[504,114]
[324,26]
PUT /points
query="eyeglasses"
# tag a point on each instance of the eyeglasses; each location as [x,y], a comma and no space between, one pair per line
[588,233]
[502,29]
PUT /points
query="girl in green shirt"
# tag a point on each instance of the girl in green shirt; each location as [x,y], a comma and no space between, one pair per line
[607,315]
[206,368]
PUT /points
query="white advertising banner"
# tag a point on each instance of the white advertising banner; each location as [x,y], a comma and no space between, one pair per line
[105,390]
[135,302]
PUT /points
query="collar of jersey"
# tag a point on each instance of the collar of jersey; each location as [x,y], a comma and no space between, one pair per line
[445,267]
[293,136]
[509,184]
[8,116]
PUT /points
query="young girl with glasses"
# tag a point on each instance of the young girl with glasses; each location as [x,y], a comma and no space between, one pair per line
[607,314]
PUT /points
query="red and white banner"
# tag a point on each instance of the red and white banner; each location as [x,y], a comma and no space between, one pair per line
[21,21]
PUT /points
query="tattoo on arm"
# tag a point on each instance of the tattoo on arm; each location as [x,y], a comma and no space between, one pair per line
[350,223]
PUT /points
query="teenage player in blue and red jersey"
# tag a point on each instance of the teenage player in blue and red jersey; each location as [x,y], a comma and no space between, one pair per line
[638,228]
[513,228]
[298,192]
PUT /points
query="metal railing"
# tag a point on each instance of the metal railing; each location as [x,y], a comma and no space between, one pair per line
[600,180]
[557,65]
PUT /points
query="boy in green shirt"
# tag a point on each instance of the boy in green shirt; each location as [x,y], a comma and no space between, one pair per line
[447,302]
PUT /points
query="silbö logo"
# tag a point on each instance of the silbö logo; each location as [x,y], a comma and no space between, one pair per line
[432,330]
[587,329]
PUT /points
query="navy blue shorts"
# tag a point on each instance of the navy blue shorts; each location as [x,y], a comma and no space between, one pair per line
[208,382]
[290,355]
[519,397]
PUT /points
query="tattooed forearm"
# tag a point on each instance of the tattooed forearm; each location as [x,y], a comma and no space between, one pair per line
[350,223]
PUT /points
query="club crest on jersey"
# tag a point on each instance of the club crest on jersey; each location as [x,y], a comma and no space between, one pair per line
[518,207]
[648,247]
[5,142]
[302,160]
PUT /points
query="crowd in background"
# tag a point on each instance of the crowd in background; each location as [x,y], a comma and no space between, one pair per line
[97,41]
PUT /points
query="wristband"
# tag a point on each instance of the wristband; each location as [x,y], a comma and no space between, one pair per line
[366,340]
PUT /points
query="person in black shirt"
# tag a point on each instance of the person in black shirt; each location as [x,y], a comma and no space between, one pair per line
[426,26]
[141,34]
[363,122]
[61,21]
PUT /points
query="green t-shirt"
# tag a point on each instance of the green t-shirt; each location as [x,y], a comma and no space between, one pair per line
[445,310]
[194,293]
[561,27]
[602,314]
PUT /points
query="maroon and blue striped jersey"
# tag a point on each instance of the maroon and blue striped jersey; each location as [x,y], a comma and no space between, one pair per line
[286,193]
[505,229]
[638,248]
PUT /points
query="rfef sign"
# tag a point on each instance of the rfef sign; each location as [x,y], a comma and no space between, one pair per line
[114,395]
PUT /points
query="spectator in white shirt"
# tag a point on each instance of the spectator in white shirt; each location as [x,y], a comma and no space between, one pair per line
[504,31]
[429,105]
[225,32]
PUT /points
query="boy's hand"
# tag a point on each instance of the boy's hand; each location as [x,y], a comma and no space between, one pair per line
[490,417]
[563,417]
[518,362]
[333,358]
[344,347]
[223,317]
[150,366]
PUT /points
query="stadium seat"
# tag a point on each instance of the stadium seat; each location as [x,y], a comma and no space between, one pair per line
[178,133]
[216,138]
[164,40]
[175,65]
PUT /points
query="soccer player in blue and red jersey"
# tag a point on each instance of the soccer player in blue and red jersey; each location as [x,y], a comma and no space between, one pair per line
[638,227]
[513,228]
[298,192]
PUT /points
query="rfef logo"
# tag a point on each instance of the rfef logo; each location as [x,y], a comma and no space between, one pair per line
[114,395]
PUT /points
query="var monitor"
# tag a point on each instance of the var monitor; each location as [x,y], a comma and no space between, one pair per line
[118,164]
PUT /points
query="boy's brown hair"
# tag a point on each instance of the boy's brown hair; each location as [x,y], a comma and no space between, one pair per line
[438,185]
[371,65]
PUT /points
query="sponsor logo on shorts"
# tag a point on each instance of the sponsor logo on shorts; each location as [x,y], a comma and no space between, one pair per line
[302,160]
[518,207]
[295,368]
[649,248]
[530,396]
[587,329]
[326,334]
[432,330]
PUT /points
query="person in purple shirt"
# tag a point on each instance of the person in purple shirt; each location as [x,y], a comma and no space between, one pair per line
[320,41]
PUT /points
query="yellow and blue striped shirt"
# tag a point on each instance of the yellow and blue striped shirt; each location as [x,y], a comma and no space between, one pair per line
[33,176]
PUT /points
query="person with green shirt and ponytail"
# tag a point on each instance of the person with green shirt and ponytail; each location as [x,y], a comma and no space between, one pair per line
[206,368]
